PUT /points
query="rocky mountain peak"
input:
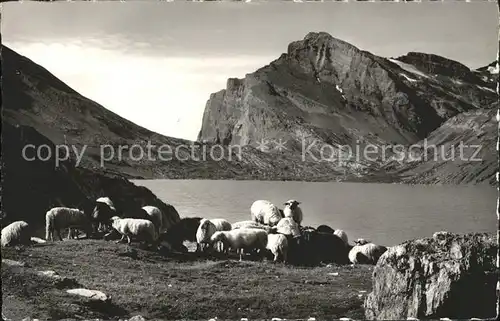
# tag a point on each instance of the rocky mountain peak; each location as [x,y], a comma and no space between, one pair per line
[434,64]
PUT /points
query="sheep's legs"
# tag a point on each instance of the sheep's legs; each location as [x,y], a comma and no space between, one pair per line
[121,240]
[128,239]
[59,235]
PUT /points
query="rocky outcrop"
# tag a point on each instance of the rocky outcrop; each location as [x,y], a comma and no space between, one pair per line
[448,275]
[31,188]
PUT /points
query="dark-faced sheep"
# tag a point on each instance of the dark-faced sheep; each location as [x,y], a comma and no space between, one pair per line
[325,229]
[313,248]
[293,210]
[103,211]
[184,230]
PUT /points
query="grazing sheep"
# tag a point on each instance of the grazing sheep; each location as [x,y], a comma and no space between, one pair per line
[221,224]
[293,210]
[155,216]
[103,211]
[241,240]
[265,212]
[312,248]
[287,226]
[140,229]
[325,229]
[207,228]
[342,235]
[278,245]
[184,230]
[250,224]
[364,252]
[58,218]
[16,233]
[204,233]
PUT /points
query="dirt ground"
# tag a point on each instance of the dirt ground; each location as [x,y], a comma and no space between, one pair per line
[178,286]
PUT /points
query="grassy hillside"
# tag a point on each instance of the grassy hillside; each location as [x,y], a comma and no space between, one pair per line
[179,287]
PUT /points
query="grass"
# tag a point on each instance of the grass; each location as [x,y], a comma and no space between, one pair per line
[175,287]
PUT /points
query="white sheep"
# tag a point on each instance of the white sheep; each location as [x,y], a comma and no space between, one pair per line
[221,224]
[59,218]
[364,252]
[207,228]
[140,229]
[293,210]
[242,239]
[205,231]
[342,235]
[250,224]
[287,226]
[278,245]
[265,212]
[156,217]
[16,233]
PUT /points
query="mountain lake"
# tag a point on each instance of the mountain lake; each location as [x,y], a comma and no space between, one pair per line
[386,214]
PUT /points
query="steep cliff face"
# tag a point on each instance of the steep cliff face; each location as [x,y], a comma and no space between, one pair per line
[332,91]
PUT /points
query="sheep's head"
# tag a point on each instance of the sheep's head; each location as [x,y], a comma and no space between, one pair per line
[361,242]
[218,236]
[292,204]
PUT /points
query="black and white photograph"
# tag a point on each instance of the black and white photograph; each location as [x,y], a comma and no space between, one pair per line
[250,160]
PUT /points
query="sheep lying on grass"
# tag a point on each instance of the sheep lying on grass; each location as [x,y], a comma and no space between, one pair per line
[342,235]
[364,252]
[16,233]
[242,240]
[278,245]
[140,229]
[293,210]
[58,218]
[265,212]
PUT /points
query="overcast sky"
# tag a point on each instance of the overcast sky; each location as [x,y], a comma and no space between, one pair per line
[156,63]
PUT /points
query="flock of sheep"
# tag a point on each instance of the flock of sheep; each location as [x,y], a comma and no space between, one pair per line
[271,232]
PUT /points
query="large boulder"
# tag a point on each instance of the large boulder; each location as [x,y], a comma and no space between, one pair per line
[448,275]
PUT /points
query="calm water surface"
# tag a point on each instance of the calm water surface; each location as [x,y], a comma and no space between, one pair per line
[383,213]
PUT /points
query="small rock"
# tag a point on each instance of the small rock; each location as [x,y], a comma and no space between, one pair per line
[244,319]
[38,240]
[311,319]
[90,294]
[137,318]
[362,291]
[334,273]
[49,273]
[13,263]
